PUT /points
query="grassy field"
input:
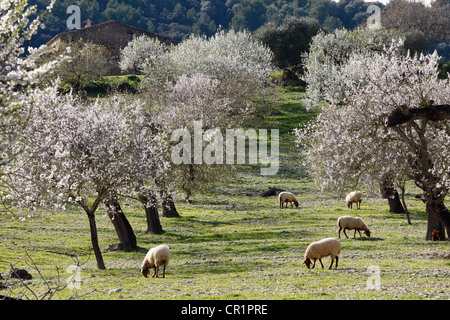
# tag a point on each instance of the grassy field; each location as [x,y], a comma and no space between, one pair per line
[231,243]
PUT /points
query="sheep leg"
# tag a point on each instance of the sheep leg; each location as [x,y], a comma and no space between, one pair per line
[314,264]
[345,233]
[337,260]
[164,269]
[339,233]
[354,234]
[359,233]
[320,260]
[332,260]
[155,274]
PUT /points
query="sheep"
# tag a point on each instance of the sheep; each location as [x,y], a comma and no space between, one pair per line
[435,235]
[323,248]
[354,197]
[352,223]
[287,197]
[157,256]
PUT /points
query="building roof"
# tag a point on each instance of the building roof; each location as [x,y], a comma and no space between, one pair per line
[111,34]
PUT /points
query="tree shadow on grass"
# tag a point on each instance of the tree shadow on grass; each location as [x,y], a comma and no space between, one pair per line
[369,239]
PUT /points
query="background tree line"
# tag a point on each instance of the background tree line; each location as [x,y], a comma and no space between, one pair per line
[285,26]
[178,19]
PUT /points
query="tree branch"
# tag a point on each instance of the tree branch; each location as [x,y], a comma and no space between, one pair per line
[403,114]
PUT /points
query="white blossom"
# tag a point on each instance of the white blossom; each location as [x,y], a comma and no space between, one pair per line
[349,142]
[226,55]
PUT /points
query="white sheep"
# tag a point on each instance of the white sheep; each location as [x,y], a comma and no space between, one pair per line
[352,223]
[287,197]
[323,248]
[354,197]
[157,256]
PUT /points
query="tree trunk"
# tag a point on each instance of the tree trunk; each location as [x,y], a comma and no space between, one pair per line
[168,207]
[438,215]
[388,192]
[94,240]
[438,218]
[127,239]
[402,189]
[151,211]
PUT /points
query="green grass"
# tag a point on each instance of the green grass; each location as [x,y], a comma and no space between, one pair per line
[101,88]
[230,243]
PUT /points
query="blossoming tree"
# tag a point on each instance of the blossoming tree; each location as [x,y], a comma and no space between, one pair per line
[82,153]
[18,71]
[392,119]
[225,55]
[219,80]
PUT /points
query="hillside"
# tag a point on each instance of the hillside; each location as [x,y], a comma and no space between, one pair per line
[178,19]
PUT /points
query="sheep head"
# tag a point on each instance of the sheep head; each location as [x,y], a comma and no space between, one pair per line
[307,262]
[144,272]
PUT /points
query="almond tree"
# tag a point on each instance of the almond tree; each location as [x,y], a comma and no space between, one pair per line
[18,70]
[213,102]
[225,55]
[220,80]
[141,51]
[81,153]
[86,62]
[328,54]
[393,121]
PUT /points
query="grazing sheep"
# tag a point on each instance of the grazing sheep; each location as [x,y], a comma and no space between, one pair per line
[352,223]
[354,197]
[323,248]
[287,197]
[157,256]
[435,235]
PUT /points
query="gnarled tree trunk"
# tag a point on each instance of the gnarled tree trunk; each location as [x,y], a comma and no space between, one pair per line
[90,212]
[168,206]
[151,211]
[438,215]
[127,238]
[388,191]
[438,218]
[94,240]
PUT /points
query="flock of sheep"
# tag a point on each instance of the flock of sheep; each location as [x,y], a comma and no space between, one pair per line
[330,246]
[160,255]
